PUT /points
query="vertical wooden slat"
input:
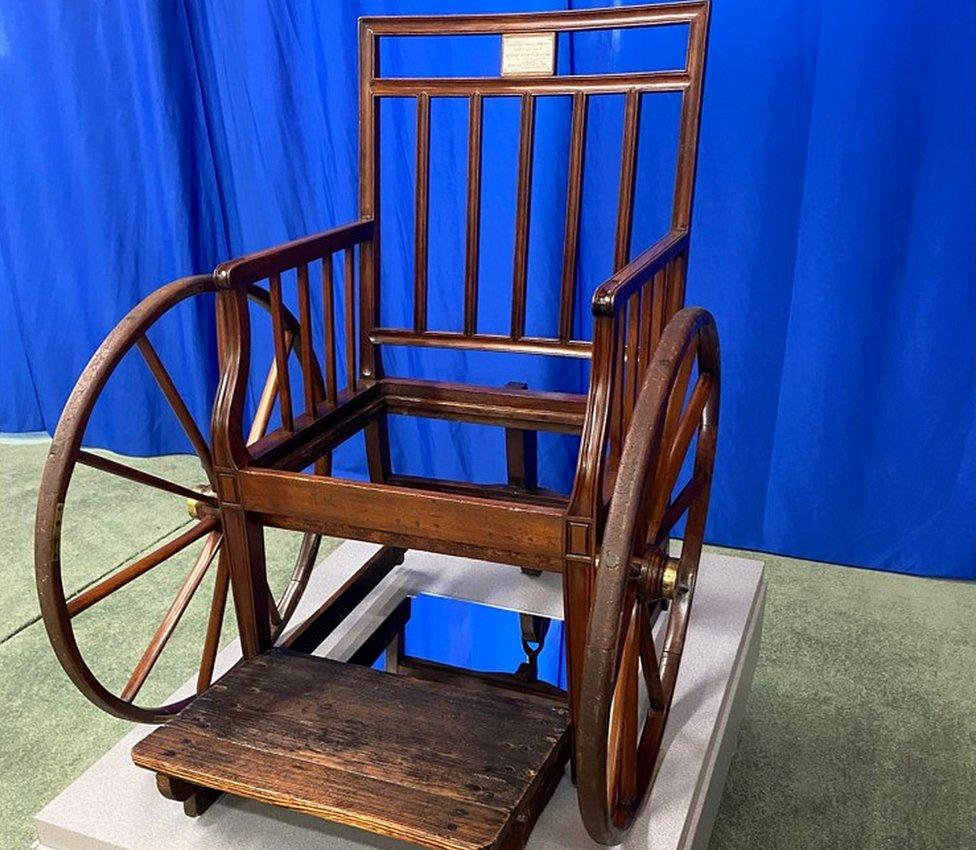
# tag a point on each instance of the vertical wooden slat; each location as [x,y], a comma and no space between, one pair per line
[658,309]
[628,170]
[421,206]
[473,235]
[281,354]
[328,329]
[644,352]
[349,292]
[574,190]
[523,201]
[616,399]
[676,285]
[371,365]
[306,350]
[689,122]
[630,376]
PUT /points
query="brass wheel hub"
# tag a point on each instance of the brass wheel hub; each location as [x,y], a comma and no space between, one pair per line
[197,508]
[656,575]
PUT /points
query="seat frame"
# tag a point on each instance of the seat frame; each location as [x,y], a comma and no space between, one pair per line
[262,484]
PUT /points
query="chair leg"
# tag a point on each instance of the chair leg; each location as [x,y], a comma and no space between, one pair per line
[195,798]
[577,584]
[522,455]
[244,546]
[377,435]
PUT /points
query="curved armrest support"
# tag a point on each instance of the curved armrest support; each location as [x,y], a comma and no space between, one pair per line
[615,291]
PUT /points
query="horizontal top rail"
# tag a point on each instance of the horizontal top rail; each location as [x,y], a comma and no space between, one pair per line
[272,261]
[522,22]
[638,272]
[649,81]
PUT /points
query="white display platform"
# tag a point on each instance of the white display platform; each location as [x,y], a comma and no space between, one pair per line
[116,805]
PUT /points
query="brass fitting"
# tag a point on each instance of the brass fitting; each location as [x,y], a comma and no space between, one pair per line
[195,507]
[656,575]
[669,578]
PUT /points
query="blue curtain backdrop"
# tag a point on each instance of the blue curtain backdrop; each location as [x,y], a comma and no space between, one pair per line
[834,238]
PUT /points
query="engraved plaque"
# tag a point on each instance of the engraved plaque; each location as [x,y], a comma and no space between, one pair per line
[529,54]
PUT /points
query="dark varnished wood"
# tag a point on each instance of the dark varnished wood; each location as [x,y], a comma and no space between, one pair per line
[574,191]
[206,530]
[517,533]
[473,215]
[615,757]
[631,310]
[475,779]
[497,86]
[523,200]
[636,424]
[422,196]
[316,628]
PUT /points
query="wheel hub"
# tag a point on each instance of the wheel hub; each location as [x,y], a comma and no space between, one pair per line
[198,508]
[656,575]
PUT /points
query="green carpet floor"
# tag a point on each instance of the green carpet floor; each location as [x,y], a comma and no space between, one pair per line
[860,729]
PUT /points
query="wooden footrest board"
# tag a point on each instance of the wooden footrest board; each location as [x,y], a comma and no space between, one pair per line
[422,761]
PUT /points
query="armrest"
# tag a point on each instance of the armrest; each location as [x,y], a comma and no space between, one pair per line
[617,370]
[636,273]
[272,261]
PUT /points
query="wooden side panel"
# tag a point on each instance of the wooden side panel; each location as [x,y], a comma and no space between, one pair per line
[525,535]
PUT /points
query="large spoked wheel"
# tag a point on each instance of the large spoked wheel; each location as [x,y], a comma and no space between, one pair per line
[628,680]
[204,529]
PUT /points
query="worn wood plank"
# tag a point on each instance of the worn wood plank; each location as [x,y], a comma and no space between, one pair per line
[356,746]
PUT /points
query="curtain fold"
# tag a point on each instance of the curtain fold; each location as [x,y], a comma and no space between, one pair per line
[834,234]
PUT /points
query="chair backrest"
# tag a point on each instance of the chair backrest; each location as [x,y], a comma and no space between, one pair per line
[527,73]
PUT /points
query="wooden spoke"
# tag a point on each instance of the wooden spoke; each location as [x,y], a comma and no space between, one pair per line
[687,427]
[265,406]
[176,402]
[648,657]
[621,765]
[617,745]
[678,507]
[273,611]
[215,623]
[280,354]
[97,592]
[672,455]
[113,467]
[626,618]
[172,618]
[67,453]
[676,400]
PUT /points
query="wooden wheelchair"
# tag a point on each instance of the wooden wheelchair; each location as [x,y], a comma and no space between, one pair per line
[273,727]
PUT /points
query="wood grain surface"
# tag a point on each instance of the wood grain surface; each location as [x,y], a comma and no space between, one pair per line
[425,762]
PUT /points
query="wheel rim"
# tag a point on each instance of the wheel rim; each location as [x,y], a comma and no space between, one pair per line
[620,729]
[66,455]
